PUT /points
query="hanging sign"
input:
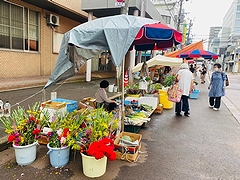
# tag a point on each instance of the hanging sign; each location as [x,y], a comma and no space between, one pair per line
[120,3]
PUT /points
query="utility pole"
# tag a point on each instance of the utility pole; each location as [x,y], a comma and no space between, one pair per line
[179,15]
[124,9]
[188,33]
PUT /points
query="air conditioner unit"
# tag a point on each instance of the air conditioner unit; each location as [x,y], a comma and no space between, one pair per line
[52,20]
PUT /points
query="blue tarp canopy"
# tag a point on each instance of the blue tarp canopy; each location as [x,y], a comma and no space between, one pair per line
[83,42]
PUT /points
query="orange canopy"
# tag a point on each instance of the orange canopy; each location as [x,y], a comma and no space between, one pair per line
[197,45]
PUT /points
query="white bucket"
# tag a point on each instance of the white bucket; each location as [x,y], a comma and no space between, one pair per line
[115,89]
[110,88]
[53,95]
[92,167]
[25,154]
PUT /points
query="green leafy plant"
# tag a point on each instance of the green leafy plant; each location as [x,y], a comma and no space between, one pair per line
[133,89]
[95,125]
[169,80]
[24,126]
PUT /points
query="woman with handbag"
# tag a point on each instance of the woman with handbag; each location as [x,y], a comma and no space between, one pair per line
[185,83]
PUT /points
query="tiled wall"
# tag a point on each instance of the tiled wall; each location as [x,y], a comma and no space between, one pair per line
[21,64]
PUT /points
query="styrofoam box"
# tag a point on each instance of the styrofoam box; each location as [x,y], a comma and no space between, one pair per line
[151,101]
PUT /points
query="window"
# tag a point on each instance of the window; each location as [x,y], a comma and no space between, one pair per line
[167,19]
[237,30]
[237,23]
[18,27]
[238,7]
[238,15]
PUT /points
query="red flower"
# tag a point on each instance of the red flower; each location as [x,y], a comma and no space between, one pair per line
[83,125]
[32,118]
[11,138]
[104,147]
[65,132]
[112,156]
[36,131]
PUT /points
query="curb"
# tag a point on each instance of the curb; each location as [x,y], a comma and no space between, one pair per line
[4,143]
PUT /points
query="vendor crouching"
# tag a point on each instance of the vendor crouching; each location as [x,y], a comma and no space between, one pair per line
[102,99]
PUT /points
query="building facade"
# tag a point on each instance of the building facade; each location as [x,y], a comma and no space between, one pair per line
[31,34]
[213,33]
[230,36]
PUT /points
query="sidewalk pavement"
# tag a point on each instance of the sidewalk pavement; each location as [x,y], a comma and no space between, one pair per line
[232,98]
[9,84]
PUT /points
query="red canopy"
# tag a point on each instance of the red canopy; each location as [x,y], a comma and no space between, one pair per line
[156,36]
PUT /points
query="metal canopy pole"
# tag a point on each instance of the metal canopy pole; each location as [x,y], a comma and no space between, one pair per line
[123,108]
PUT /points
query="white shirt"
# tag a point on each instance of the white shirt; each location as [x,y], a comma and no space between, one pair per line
[185,81]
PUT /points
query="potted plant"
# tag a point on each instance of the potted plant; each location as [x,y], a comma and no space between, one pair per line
[24,129]
[133,90]
[152,90]
[94,140]
[59,135]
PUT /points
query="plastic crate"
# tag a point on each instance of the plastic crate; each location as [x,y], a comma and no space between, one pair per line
[194,94]
[132,128]
[71,105]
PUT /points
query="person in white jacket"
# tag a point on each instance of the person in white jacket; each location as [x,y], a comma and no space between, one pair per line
[185,83]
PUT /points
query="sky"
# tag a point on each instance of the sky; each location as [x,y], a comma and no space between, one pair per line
[205,14]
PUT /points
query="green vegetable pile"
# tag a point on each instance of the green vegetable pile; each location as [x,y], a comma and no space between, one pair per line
[169,80]
[127,138]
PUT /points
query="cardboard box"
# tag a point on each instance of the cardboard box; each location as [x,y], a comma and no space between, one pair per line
[51,108]
[89,101]
[71,105]
[53,105]
[127,152]
[159,109]
[43,139]
[127,157]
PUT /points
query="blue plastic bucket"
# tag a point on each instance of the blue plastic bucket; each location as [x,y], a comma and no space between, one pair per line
[59,157]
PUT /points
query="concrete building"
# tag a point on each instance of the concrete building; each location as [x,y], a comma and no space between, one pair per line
[31,34]
[31,31]
[213,33]
[231,26]
[168,10]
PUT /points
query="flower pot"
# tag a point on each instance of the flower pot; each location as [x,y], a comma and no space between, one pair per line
[92,167]
[59,157]
[25,154]
[133,95]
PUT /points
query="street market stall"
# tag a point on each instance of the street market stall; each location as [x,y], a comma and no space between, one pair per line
[117,34]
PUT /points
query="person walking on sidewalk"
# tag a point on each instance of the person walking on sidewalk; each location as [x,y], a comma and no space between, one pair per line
[185,83]
[203,73]
[217,87]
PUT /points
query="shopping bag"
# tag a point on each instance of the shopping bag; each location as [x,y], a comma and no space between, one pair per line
[227,81]
[174,94]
